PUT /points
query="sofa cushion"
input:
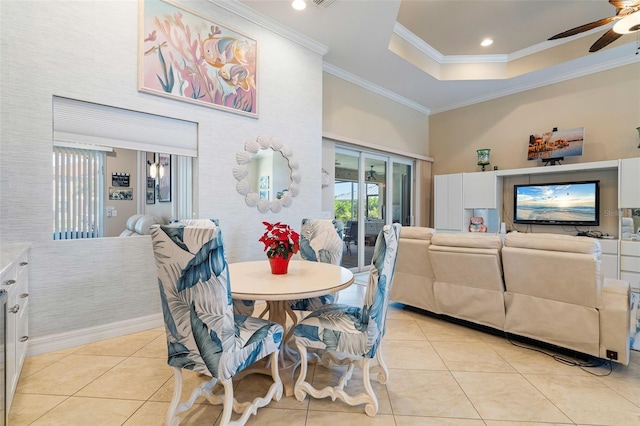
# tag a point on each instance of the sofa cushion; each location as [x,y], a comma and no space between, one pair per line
[472,240]
[417,233]
[554,242]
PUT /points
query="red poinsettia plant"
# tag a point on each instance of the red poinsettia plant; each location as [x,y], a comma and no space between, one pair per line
[280,240]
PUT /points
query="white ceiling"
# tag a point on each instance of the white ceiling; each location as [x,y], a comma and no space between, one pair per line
[447,33]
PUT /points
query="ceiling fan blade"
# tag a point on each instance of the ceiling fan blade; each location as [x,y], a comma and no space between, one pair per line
[607,38]
[583,28]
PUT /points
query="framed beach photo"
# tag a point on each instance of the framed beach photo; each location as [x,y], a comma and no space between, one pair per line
[185,56]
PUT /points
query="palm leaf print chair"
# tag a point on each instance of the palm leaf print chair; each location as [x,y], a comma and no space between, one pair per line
[320,241]
[352,335]
[203,333]
[244,307]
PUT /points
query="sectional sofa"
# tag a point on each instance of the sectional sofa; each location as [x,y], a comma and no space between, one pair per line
[545,287]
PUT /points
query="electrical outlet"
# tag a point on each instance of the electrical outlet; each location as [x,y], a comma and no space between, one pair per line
[109,213]
[612,354]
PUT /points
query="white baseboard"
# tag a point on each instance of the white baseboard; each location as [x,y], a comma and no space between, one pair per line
[56,342]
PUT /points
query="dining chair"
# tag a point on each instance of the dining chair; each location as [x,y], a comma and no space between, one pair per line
[351,235]
[351,335]
[203,333]
[244,307]
[320,241]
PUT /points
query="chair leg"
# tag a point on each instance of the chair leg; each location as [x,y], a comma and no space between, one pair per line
[172,418]
[176,407]
[380,368]
[302,387]
[228,402]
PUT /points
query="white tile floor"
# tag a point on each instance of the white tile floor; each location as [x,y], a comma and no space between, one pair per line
[440,374]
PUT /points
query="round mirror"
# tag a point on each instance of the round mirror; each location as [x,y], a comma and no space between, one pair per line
[267,174]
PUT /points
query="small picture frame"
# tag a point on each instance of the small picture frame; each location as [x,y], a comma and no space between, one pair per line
[164,178]
[123,194]
[120,179]
[264,182]
[151,191]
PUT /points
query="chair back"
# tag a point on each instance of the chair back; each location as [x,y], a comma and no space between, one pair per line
[376,299]
[353,230]
[320,241]
[200,222]
[196,298]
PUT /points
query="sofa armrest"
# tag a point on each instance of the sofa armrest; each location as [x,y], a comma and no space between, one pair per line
[615,319]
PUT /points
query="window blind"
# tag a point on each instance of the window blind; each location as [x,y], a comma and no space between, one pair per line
[78,182]
[88,123]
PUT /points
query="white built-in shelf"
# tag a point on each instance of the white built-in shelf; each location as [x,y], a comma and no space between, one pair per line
[577,167]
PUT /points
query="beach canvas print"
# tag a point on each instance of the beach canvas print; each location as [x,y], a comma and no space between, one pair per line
[556,144]
[188,57]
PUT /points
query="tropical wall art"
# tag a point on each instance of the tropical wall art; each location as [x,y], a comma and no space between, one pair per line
[185,56]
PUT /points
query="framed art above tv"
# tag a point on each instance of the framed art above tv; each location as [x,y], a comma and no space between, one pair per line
[551,147]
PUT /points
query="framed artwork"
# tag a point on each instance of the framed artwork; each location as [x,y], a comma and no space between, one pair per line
[189,57]
[264,182]
[118,193]
[151,191]
[164,178]
[556,144]
[120,179]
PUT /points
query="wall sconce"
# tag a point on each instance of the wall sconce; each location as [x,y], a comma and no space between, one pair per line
[483,157]
[155,170]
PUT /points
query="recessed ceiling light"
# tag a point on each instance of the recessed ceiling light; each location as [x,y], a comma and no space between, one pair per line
[298,4]
[486,42]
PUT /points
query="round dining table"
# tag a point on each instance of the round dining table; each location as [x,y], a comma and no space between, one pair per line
[254,281]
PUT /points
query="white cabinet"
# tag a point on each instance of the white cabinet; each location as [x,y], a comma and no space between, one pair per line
[447,202]
[629,185]
[14,279]
[630,263]
[481,190]
[609,258]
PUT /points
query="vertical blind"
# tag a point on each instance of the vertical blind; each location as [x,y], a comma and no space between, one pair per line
[78,181]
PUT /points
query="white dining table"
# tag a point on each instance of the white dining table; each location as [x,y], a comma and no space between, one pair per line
[254,281]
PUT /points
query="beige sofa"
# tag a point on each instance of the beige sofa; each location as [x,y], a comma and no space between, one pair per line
[555,292]
[546,287]
[413,269]
[468,277]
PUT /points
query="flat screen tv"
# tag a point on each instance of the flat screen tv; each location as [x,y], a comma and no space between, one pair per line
[566,203]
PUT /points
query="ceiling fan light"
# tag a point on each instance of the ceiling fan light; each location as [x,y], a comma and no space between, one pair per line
[627,25]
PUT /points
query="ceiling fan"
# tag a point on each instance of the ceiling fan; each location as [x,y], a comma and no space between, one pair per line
[371,174]
[628,21]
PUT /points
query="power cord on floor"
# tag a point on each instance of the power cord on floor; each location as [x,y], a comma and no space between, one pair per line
[567,361]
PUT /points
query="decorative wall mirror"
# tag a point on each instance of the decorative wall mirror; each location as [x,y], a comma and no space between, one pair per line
[267,174]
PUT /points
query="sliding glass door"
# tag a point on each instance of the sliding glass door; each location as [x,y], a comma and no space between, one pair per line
[367,177]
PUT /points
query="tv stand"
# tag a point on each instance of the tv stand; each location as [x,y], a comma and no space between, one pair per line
[553,161]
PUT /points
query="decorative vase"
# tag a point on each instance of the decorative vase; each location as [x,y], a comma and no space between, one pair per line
[279,265]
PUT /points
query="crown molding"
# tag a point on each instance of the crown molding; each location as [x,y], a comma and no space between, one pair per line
[627,59]
[340,73]
[249,14]
[434,54]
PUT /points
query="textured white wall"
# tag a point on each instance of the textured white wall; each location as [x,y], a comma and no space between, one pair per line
[88,51]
